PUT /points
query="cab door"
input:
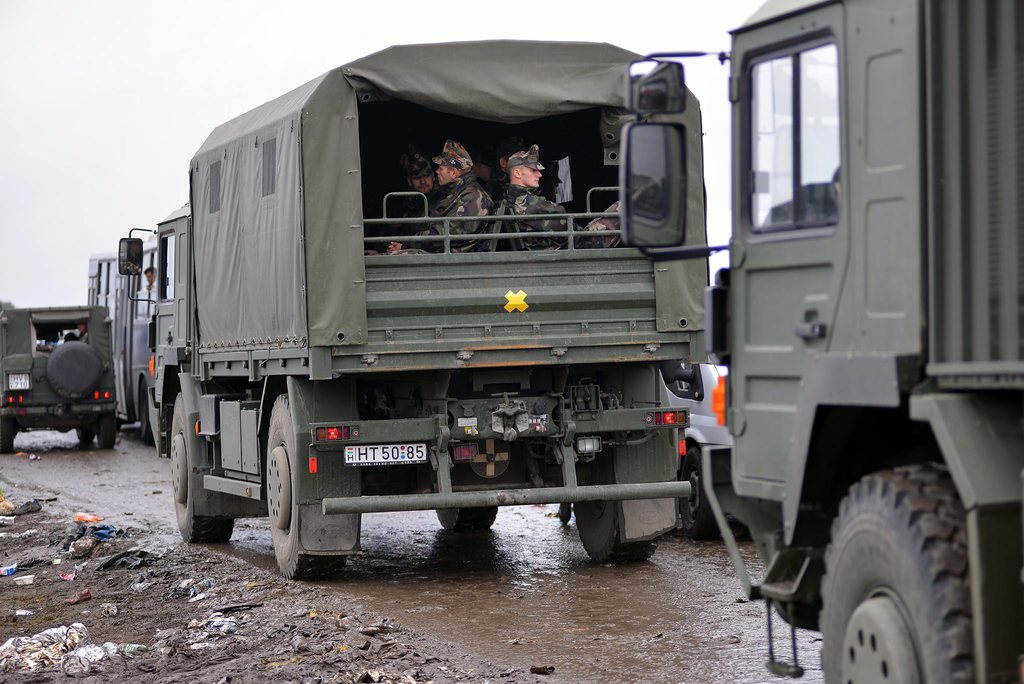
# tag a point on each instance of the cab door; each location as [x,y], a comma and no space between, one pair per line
[172,319]
[790,245]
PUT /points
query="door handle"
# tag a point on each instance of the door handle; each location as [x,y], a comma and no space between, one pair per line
[811,331]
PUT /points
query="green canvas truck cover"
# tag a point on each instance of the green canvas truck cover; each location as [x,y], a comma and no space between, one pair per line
[279,260]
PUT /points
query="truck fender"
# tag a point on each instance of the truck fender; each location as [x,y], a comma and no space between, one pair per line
[828,379]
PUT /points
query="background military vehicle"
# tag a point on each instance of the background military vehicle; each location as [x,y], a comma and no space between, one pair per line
[52,379]
[871,320]
[131,309]
[299,378]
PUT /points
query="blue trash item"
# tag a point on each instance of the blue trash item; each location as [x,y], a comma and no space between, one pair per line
[101,533]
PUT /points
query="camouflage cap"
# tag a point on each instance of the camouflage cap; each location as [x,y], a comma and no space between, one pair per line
[454,155]
[529,158]
[415,164]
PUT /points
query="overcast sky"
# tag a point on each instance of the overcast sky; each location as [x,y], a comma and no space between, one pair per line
[103,103]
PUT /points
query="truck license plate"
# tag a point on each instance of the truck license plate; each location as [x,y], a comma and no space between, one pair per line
[385,454]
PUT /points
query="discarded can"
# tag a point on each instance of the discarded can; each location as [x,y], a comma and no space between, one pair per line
[7,570]
[21,612]
[130,650]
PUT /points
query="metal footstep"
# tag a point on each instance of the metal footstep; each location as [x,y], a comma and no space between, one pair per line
[777,667]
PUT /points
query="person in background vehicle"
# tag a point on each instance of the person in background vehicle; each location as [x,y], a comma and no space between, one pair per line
[150,274]
[522,197]
[79,334]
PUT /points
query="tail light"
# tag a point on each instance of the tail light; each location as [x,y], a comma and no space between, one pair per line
[336,433]
[682,447]
[666,418]
[152,366]
[466,451]
[718,400]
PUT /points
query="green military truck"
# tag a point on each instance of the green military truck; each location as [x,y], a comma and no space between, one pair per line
[871,320]
[57,374]
[305,375]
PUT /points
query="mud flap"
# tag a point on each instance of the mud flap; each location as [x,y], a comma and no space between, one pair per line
[646,519]
[336,533]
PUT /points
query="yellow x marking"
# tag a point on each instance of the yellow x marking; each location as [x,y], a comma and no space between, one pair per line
[516,301]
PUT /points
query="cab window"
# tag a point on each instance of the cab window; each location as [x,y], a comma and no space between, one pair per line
[794,140]
[165,273]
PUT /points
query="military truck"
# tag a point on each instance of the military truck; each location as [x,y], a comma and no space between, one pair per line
[57,374]
[871,321]
[307,375]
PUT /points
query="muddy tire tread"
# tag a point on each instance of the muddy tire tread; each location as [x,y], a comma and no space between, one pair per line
[702,525]
[471,519]
[198,529]
[924,500]
[8,431]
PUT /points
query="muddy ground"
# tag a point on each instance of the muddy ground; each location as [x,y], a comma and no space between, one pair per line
[421,604]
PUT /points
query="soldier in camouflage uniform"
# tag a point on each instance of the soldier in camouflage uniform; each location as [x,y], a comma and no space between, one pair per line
[460,194]
[599,241]
[522,197]
[420,178]
[498,182]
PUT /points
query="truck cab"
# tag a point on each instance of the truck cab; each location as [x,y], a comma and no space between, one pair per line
[870,320]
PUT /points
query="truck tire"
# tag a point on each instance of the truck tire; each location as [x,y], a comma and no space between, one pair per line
[598,524]
[107,433]
[564,513]
[74,369]
[697,518]
[85,436]
[896,599]
[8,431]
[193,528]
[282,506]
[467,519]
[142,408]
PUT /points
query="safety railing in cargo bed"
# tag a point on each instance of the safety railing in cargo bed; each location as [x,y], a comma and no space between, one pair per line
[496,228]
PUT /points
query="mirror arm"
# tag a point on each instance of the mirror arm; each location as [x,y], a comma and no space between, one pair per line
[691,252]
[141,230]
[723,57]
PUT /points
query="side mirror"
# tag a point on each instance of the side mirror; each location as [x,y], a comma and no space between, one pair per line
[656,87]
[654,183]
[129,256]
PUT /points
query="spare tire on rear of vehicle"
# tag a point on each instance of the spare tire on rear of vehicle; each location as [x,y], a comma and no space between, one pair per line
[74,369]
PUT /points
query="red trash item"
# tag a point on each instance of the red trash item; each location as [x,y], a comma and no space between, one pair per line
[87,518]
[83,595]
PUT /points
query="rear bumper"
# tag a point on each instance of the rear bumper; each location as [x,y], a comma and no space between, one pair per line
[508,497]
[59,416]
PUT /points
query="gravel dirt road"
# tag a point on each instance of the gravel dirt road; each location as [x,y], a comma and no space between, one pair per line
[420,604]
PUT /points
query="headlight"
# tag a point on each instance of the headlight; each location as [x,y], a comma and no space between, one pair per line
[17,381]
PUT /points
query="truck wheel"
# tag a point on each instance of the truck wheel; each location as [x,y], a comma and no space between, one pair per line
[697,517]
[107,433]
[896,599]
[8,430]
[85,436]
[282,507]
[598,525]
[194,528]
[467,519]
[564,513]
[142,406]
